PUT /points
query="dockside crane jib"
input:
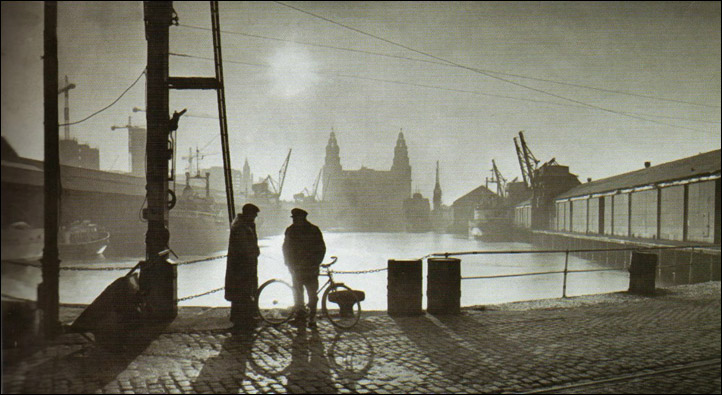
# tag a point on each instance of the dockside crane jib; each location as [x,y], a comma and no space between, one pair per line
[498,179]
[527,161]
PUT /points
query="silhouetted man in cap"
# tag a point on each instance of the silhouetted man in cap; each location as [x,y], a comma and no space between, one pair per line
[242,266]
[303,250]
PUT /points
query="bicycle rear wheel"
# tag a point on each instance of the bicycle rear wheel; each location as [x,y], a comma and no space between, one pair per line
[275,301]
[341,306]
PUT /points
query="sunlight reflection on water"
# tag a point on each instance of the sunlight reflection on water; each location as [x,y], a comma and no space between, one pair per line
[356,251]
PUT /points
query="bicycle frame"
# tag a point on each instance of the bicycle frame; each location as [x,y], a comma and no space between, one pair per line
[329,274]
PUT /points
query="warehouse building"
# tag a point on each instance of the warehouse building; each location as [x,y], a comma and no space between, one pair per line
[675,201]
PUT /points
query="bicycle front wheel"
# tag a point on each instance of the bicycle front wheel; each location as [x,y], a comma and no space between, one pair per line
[341,306]
[275,301]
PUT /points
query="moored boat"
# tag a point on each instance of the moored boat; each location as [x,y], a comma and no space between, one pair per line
[81,239]
[492,222]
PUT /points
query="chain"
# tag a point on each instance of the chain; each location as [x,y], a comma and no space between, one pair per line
[201,294]
[211,258]
[110,268]
[4,295]
[107,268]
[24,264]
[359,271]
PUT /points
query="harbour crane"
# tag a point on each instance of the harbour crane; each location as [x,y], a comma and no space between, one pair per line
[282,173]
[66,92]
[270,188]
[527,161]
[307,196]
[498,179]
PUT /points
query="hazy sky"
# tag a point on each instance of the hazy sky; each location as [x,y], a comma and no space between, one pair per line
[286,88]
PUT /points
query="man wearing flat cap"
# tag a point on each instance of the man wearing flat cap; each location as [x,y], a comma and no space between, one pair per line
[242,266]
[303,250]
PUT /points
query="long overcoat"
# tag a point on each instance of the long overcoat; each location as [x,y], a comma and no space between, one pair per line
[242,262]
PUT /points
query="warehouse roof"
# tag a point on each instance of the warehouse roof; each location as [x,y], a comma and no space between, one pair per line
[474,196]
[701,165]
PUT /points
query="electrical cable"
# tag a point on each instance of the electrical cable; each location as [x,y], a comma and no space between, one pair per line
[486,73]
[108,106]
[437,87]
[450,65]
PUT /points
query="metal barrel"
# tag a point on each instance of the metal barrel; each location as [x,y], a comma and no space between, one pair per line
[404,287]
[642,273]
[443,286]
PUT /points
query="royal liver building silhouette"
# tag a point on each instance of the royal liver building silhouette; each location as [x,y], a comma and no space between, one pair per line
[366,199]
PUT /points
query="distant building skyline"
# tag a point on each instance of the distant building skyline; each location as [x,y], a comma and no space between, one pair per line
[601,86]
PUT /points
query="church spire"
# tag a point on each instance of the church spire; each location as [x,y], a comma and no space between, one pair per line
[437,190]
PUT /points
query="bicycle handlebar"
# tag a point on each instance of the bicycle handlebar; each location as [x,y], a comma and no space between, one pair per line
[327,265]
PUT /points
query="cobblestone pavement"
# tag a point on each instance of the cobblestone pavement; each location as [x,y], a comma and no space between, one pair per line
[619,343]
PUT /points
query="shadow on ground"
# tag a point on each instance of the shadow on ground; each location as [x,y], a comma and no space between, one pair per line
[88,367]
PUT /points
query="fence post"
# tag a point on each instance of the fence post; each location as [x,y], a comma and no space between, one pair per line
[566,266]
[443,286]
[404,287]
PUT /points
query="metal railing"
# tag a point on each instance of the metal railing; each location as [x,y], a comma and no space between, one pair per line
[566,252]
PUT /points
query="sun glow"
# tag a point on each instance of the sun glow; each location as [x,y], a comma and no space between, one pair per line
[291,71]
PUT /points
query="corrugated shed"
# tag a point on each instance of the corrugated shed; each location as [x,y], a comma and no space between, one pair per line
[695,166]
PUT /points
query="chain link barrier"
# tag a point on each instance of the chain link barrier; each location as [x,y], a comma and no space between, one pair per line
[110,268]
[183,299]
[4,295]
[359,271]
[210,258]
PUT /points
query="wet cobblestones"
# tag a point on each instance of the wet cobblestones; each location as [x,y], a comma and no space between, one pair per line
[626,345]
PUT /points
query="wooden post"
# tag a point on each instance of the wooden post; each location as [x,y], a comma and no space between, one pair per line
[157,276]
[566,267]
[48,290]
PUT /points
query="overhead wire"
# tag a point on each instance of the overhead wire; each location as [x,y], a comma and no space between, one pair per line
[450,65]
[383,80]
[109,105]
[440,63]
[340,75]
[486,73]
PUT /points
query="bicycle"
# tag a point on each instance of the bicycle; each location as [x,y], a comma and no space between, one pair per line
[275,303]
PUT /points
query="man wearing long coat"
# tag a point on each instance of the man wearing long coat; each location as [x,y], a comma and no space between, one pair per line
[242,266]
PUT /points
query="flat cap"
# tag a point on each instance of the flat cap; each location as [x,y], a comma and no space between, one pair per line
[249,208]
[297,212]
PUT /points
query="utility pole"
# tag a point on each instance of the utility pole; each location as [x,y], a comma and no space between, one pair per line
[48,290]
[158,278]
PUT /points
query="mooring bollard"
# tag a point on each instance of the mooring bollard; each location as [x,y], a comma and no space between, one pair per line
[642,273]
[443,286]
[404,287]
